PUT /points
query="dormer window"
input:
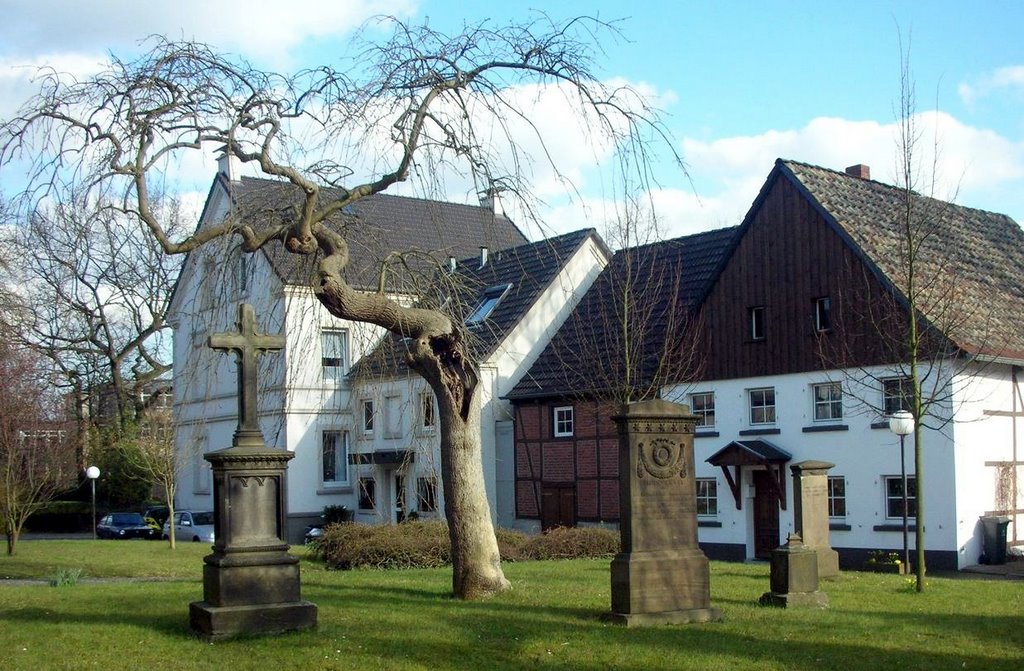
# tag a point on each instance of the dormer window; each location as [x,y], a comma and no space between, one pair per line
[488,301]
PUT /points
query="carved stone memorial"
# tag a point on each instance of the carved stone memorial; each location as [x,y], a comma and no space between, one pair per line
[810,493]
[794,577]
[661,576]
[250,582]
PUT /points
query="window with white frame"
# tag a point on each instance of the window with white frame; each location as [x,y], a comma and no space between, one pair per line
[762,405]
[836,496]
[207,283]
[334,354]
[564,418]
[367,493]
[367,413]
[702,404]
[707,496]
[488,301]
[202,472]
[334,457]
[896,395]
[243,271]
[392,416]
[428,417]
[426,494]
[756,315]
[823,314]
[828,401]
[894,496]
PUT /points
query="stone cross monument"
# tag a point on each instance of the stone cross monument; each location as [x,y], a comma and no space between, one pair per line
[661,576]
[810,494]
[250,582]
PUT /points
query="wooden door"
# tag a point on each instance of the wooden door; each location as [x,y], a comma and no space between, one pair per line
[766,516]
[557,506]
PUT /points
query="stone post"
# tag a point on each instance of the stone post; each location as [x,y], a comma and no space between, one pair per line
[250,582]
[810,495]
[794,577]
[661,576]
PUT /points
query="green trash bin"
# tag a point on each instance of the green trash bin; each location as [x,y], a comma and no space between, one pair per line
[994,540]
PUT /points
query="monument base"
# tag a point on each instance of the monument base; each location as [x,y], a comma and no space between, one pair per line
[659,587]
[795,600]
[216,623]
[828,562]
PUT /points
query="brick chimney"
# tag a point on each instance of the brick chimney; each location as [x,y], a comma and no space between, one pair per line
[860,171]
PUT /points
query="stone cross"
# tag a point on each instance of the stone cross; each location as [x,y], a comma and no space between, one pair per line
[247,345]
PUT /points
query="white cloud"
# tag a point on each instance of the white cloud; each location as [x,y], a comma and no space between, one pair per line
[263,29]
[1009,77]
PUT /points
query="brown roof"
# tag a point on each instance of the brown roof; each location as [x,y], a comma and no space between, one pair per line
[377,226]
[588,353]
[977,256]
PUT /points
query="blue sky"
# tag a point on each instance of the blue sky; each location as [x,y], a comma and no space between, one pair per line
[741,83]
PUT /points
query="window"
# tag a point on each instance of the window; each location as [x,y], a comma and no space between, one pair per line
[563,421]
[894,496]
[392,416]
[334,457]
[367,494]
[367,405]
[488,301]
[703,406]
[828,401]
[836,496]
[334,354]
[707,496]
[896,395]
[426,494]
[756,323]
[823,314]
[427,417]
[762,406]
[207,283]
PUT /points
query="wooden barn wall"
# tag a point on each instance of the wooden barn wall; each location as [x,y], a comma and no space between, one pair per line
[788,258]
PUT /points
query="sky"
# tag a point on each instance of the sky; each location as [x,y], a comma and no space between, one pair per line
[739,83]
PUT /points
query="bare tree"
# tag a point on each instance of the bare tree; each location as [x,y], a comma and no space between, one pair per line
[414,104]
[94,288]
[35,461]
[151,452]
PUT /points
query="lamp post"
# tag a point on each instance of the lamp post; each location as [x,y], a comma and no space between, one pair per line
[92,473]
[902,424]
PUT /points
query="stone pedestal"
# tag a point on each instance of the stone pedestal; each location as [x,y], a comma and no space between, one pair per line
[794,577]
[810,495]
[250,582]
[661,576]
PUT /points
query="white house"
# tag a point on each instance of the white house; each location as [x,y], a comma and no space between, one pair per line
[801,365]
[336,423]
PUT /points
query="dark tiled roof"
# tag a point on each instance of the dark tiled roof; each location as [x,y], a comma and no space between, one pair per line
[528,268]
[376,226]
[981,252]
[749,452]
[588,352]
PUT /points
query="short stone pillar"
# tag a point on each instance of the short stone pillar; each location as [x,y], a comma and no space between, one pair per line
[794,577]
[661,576]
[810,495]
[250,582]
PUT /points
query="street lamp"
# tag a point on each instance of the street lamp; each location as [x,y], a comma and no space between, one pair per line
[902,424]
[92,473]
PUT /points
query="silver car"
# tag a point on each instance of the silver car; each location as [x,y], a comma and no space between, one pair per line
[191,526]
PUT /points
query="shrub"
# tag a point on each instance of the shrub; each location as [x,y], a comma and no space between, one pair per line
[571,543]
[415,544]
[66,577]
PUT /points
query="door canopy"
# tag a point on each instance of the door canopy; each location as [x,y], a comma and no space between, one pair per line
[752,453]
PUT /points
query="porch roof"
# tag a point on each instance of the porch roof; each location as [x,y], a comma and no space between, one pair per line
[749,453]
[383,457]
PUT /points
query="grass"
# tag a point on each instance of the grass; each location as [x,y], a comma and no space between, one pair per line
[404,619]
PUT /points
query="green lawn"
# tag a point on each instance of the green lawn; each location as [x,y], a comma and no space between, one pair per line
[405,620]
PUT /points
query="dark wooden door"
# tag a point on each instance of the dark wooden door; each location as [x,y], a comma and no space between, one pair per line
[766,516]
[557,506]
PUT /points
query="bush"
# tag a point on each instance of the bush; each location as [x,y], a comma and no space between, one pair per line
[571,543]
[415,544]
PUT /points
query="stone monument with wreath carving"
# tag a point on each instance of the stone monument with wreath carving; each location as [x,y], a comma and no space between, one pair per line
[661,576]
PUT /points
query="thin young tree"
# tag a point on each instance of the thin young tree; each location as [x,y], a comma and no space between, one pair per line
[414,104]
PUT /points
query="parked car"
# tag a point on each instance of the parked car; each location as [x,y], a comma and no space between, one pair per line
[190,525]
[158,514]
[125,525]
